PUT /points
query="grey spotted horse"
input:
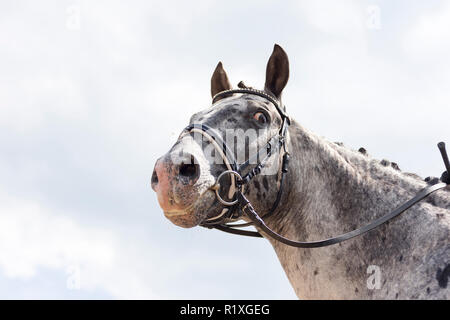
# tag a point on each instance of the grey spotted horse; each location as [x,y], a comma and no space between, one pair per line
[327,190]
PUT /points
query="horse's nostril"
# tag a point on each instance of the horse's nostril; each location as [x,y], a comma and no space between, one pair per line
[189,170]
[154,178]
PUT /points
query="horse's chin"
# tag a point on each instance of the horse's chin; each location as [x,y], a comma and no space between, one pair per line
[194,214]
[182,219]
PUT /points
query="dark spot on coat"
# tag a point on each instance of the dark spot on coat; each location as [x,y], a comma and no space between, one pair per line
[356,290]
[400,258]
[445,177]
[278,121]
[442,276]
[395,166]
[431,200]
[316,272]
[257,185]
[362,151]
[412,175]
[385,162]
[265,183]
[396,295]
[432,180]
[428,290]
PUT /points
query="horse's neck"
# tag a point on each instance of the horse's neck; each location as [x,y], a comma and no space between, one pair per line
[331,190]
[336,185]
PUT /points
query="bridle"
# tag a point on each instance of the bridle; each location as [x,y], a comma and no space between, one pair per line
[240,205]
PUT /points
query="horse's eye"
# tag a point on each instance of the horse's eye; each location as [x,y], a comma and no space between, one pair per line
[260,117]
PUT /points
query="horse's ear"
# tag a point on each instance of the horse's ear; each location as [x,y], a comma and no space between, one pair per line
[277,71]
[219,80]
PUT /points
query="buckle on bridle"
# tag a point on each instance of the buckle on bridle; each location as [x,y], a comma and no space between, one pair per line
[239,184]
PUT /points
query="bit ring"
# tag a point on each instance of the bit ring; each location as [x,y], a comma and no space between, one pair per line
[217,187]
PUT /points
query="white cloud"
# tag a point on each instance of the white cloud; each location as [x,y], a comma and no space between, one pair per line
[29,100]
[33,238]
[345,19]
[427,38]
[180,15]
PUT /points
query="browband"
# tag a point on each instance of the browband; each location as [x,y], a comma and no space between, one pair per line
[255,92]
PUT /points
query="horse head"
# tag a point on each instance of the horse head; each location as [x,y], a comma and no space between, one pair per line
[186,177]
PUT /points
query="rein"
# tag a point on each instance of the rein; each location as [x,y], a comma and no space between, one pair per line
[240,205]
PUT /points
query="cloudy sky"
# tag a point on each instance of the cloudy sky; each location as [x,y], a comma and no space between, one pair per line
[93,92]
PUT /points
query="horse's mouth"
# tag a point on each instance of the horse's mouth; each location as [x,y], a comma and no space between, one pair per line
[169,214]
[193,214]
